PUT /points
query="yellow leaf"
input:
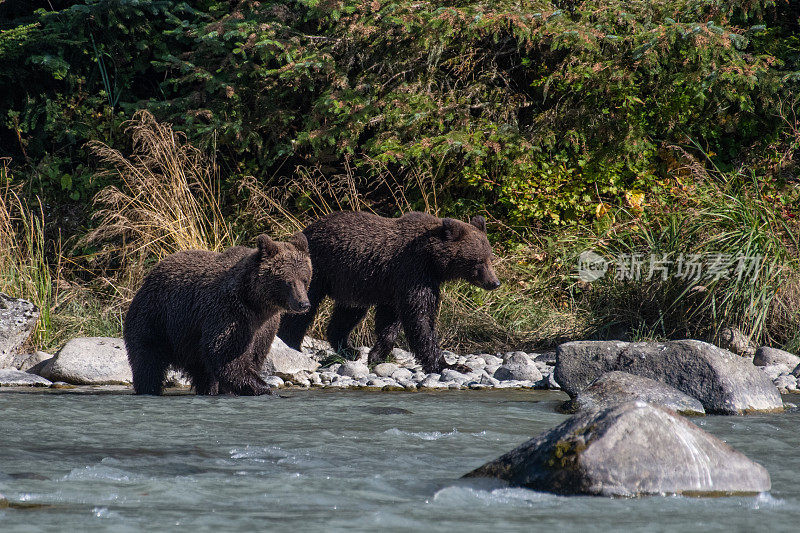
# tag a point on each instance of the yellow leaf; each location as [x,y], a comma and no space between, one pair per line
[635,199]
[600,210]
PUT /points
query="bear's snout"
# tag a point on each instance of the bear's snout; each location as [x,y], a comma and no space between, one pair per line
[486,278]
[298,299]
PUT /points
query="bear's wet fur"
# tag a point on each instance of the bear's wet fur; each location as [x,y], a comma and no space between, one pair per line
[362,260]
[214,316]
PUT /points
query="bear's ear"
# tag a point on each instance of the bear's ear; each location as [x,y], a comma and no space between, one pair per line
[479,222]
[300,242]
[452,230]
[267,246]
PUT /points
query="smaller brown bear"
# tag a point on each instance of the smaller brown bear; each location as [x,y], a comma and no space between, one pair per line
[362,260]
[214,315]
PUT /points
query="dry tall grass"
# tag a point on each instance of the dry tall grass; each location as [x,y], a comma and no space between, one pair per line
[24,269]
[168,200]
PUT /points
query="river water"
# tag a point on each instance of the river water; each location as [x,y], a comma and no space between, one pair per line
[343,460]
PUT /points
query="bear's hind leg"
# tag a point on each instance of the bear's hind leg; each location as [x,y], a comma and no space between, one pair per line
[203,380]
[343,320]
[149,368]
[418,314]
[387,328]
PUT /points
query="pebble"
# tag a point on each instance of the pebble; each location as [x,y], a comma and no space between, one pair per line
[786,382]
[773,371]
[402,374]
[448,374]
[274,382]
[354,369]
[385,369]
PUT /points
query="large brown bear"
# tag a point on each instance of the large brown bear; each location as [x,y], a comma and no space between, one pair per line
[360,260]
[214,315]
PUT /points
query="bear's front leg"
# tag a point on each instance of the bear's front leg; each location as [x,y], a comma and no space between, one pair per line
[228,353]
[418,315]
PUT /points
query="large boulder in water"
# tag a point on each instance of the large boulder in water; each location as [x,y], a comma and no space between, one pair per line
[89,361]
[18,317]
[723,382]
[632,449]
[287,363]
[617,387]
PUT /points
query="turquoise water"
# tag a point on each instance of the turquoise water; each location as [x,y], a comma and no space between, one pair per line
[341,460]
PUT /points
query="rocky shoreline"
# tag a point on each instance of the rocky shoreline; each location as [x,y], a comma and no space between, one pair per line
[101,361]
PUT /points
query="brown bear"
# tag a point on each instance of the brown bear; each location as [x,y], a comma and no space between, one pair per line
[362,260]
[214,315]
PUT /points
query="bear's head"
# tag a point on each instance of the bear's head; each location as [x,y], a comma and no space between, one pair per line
[283,274]
[464,252]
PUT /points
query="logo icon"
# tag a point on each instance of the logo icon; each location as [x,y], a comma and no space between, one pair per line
[591,266]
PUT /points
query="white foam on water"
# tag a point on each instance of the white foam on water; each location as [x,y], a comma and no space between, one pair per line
[99,473]
[515,497]
[765,500]
[422,435]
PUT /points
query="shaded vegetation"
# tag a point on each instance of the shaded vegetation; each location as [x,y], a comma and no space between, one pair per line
[621,126]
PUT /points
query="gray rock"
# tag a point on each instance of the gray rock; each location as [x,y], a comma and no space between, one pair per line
[385,369]
[11,377]
[327,376]
[491,369]
[315,379]
[177,379]
[354,369]
[518,367]
[723,382]
[380,382]
[448,374]
[274,382]
[489,381]
[491,360]
[787,383]
[287,363]
[614,388]
[552,384]
[735,341]
[546,357]
[301,379]
[773,371]
[402,374]
[27,361]
[517,356]
[449,357]
[403,357]
[475,364]
[631,449]
[419,376]
[18,318]
[796,371]
[89,361]
[766,356]
[407,384]
[432,381]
